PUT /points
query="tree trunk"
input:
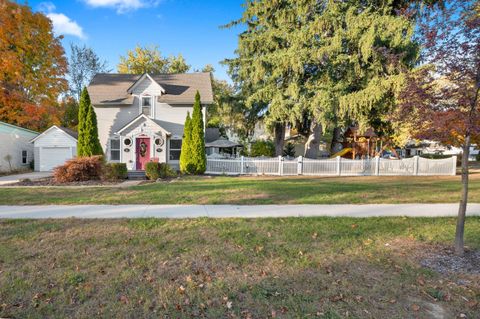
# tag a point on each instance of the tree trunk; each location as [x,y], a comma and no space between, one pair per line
[279,132]
[336,145]
[459,232]
[311,146]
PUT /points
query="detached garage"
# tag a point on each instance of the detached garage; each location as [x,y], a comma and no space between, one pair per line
[53,147]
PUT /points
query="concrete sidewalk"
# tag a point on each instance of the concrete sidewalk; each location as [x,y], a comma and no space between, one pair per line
[228,211]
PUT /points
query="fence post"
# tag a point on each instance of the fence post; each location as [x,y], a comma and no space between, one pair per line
[280,165]
[242,163]
[454,168]
[339,163]
[377,165]
[415,164]
[299,165]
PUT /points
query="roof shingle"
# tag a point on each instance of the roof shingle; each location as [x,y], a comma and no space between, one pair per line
[111,88]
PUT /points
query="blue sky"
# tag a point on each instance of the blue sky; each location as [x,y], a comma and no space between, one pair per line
[111,27]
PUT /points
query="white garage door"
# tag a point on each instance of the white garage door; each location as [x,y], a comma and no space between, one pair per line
[51,157]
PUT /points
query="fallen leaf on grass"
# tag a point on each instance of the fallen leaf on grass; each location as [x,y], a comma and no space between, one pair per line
[421,281]
[124,299]
[336,298]
[415,307]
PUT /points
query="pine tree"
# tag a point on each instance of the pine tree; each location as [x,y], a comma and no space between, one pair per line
[185,152]
[88,143]
[197,146]
[324,62]
[83,108]
[92,143]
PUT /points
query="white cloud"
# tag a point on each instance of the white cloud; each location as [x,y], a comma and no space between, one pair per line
[64,25]
[46,7]
[122,6]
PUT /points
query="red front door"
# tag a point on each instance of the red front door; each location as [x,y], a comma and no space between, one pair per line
[143,152]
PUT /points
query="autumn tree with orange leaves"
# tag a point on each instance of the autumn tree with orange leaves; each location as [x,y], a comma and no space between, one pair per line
[32,68]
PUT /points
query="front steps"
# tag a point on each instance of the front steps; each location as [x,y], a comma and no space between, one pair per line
[136,175]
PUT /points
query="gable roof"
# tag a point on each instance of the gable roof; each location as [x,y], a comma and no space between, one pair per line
[69,132]
[10,127]
[146,118]
[113,88]
[145,75]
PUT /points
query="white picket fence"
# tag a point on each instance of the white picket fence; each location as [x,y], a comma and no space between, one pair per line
[332,167]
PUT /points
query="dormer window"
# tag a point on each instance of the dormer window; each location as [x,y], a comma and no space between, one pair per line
[146,105]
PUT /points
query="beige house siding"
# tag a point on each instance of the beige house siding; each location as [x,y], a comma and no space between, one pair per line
[147,87]
[111,119]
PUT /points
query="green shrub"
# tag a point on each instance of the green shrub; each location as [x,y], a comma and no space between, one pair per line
[166,171]
[115,171]
[478,157]
[155,170]
[289,150]
[152,170]
[262,148]
[435,156]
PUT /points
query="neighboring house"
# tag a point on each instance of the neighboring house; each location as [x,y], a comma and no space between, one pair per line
[53,147]
[16,151]
[217,146]
[141,117]
[420,147]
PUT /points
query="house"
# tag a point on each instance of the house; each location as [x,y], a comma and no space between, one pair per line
[53,147]
[16,151]
[141,117]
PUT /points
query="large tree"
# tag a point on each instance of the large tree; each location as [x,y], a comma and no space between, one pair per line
[32,67]
[83,64]
[323,63]
[228,111]
[150,60]
[441,100]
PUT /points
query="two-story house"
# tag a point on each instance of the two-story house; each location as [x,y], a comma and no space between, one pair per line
[141,117]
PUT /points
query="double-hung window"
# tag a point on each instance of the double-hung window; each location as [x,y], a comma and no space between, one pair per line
[175,148]
[24,157]
[146,103]
[114,149]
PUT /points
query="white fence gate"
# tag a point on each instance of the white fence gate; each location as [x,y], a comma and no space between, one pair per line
[332,167]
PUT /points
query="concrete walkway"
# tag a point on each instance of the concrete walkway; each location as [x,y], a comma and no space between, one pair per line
[225,211]
[10,179]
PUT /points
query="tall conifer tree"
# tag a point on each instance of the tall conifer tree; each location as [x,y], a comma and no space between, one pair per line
[325,62]
[88,143]
[83,107]
[197,146]
[185,156]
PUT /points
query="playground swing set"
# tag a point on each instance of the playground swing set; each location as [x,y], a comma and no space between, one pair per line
[360,145]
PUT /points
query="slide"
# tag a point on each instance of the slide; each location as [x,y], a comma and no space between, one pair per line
[342,152]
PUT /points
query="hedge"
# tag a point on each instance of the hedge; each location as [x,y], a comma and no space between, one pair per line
[115,171]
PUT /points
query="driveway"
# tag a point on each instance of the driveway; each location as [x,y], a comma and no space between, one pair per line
[233,211]
[9,179]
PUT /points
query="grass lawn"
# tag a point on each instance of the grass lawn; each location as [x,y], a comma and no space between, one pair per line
[255,190]
[238,268]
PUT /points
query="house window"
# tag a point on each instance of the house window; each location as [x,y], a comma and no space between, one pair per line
[175,148]
[24,157]
[115,150]
[147,105]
